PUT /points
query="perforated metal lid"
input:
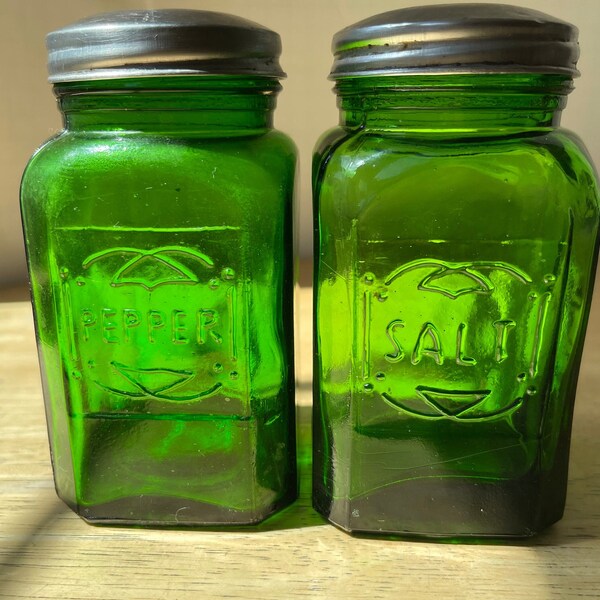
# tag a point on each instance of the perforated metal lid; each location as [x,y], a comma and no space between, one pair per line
[456,38]
[144,43]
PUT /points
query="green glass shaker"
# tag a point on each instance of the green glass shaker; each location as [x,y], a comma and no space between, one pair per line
[456,235]
[158,227]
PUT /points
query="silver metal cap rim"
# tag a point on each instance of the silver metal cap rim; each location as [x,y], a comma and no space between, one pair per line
[162,43]
[456,38]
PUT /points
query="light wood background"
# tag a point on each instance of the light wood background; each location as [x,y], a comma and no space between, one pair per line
[48,552]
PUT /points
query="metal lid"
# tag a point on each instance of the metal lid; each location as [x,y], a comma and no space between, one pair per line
[143,43]
[456,38]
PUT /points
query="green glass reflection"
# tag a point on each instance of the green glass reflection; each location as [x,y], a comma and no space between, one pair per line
[456,232]
[159,235]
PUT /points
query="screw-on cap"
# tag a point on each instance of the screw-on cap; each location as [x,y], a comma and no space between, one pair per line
[456,38]
[143,43]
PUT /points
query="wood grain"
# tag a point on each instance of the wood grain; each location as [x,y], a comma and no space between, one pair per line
[48,552]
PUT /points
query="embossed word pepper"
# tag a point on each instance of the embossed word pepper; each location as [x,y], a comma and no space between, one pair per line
[158,226]
[456,234]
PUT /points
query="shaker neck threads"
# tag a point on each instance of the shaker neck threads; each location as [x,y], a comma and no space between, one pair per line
[463,102]
[190,105]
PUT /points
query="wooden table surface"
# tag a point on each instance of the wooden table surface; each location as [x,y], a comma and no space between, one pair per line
[48,552]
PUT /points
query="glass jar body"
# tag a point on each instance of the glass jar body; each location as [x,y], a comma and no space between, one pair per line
[455,256]
[159,235]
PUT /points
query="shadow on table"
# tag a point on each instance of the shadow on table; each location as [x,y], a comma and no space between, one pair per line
[13,556]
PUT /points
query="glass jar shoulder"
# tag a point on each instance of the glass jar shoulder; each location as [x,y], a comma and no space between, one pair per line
[71,149]
[567,152]
[99,174]
[347,150]
[328,143]
[543,171]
